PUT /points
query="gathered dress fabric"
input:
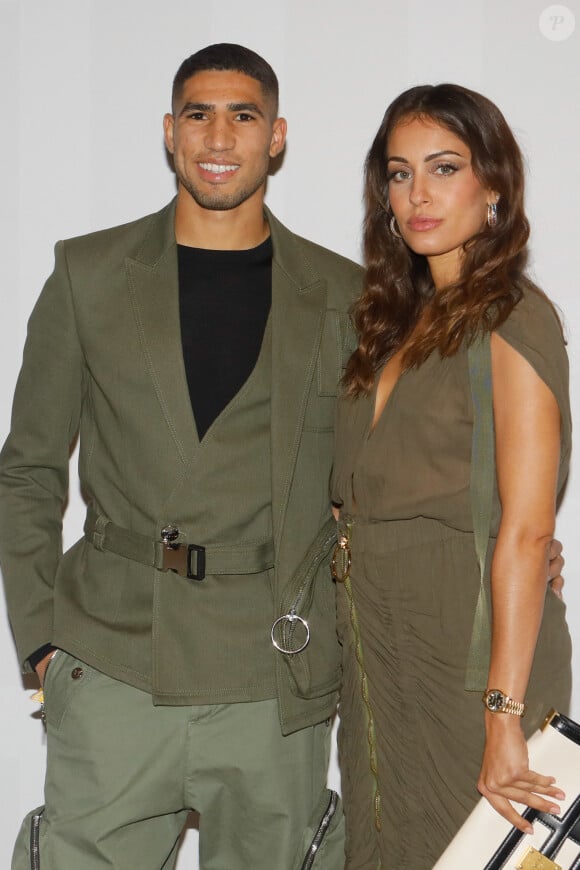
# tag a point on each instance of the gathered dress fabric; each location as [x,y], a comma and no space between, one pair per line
[411,737]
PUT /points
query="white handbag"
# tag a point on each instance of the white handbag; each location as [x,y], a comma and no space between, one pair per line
[486,841]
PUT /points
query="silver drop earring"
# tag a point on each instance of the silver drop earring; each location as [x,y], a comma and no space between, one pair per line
[491,214]
[394,228]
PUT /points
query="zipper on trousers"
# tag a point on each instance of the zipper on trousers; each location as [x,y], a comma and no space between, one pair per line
[321,831]
[35,841]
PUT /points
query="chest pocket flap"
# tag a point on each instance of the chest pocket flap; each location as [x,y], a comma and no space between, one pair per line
[337,344]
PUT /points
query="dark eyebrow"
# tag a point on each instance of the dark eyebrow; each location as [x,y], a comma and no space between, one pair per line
[428,158]
[246,107]
[232,107]
[442,154]
[196,107]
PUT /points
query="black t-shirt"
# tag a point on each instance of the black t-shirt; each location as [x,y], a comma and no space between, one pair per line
[224,302]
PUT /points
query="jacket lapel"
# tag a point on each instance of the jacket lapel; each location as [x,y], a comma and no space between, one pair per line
[298,306]
[154,290]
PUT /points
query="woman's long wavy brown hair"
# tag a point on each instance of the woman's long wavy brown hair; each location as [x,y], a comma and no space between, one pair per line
[398,294]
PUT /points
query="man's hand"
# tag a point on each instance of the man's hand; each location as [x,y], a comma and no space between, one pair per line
[44,663]
[555,567]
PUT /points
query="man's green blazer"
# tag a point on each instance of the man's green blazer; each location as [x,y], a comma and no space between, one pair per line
[104,357]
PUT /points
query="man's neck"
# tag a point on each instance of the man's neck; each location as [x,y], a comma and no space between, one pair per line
[236,229]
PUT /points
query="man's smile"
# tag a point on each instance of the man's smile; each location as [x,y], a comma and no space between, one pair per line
[219,168]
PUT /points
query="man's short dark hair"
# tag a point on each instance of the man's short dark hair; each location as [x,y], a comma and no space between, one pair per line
[228,56]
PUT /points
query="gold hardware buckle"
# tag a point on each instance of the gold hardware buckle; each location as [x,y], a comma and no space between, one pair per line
[549,718]
[341,561]
[533,860]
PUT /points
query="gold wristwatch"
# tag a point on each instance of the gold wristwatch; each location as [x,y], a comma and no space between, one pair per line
[498,702]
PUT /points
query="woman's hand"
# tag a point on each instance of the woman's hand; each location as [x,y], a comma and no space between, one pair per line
[505,775]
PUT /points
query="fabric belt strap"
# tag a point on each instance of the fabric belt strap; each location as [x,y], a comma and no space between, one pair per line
[481,489]
[245,558]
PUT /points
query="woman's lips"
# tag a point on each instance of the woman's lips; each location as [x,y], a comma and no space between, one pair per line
[422,224]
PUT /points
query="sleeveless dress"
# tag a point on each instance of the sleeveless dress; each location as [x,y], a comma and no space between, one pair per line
[411,737]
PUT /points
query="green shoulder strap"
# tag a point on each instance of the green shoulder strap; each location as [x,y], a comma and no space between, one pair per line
[481,490]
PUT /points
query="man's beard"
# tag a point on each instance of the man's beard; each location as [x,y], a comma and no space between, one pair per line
[221,201]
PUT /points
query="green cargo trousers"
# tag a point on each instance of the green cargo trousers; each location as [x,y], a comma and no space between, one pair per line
[122,776]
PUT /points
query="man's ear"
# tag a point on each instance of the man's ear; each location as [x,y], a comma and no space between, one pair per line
[278,141]
[168,125]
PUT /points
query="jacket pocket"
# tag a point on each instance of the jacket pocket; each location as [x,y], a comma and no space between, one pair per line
[305,631]
[336,345]
[334,351]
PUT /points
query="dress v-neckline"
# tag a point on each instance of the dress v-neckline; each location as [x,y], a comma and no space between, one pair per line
[375,419]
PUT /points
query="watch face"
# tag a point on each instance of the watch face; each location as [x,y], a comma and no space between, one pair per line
[495,700]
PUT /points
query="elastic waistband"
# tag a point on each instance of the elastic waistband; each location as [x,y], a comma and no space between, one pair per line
[392,535]
[192,560]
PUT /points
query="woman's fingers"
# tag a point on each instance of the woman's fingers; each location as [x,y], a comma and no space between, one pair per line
[528,780]
[530,789]
[534,782]
[531,799]
[505,809]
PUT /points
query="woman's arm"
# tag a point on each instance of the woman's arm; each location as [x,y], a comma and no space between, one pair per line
[527,436]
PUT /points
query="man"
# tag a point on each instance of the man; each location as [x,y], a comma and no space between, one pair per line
[199,352]
[186,643]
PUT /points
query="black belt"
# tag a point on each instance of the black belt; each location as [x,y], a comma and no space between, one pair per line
[193,561]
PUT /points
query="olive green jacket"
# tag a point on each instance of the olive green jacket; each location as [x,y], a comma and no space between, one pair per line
[104,357]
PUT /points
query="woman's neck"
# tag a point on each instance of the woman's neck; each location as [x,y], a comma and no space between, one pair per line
[444,268]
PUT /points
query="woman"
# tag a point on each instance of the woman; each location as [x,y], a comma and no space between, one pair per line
[445,240]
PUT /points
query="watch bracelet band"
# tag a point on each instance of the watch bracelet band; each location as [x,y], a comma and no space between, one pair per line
[515,708]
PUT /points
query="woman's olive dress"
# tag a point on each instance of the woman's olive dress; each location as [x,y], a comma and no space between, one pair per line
[411,737]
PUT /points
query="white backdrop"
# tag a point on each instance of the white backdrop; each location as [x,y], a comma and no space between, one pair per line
[84,85]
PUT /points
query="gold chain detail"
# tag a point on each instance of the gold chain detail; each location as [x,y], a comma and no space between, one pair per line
[371,737]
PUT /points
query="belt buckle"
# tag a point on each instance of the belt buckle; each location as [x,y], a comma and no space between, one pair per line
[200,562]
[177,558]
